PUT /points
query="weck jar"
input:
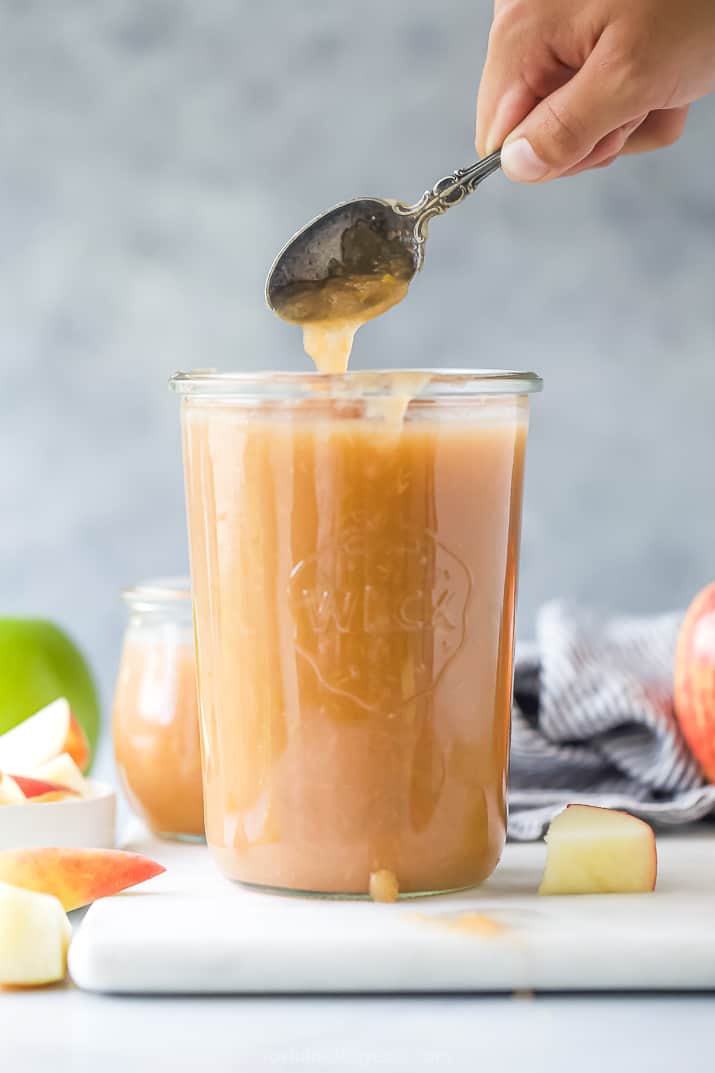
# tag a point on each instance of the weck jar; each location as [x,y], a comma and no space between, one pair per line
[354,545]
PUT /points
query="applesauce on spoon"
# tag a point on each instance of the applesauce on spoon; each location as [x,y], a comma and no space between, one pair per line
[372,275]
[331,311]
[363,237]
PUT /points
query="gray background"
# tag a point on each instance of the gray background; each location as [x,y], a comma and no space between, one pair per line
[154,155]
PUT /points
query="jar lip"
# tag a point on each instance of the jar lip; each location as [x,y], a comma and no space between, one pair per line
[439,383]
[157,592]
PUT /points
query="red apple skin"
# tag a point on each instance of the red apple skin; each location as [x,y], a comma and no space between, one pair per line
[38,787]
[76,876]
[694,680]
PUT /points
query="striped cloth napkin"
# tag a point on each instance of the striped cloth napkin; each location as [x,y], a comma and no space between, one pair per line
[593,722]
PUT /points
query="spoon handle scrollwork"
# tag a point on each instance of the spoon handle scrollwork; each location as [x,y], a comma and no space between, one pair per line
[448,192]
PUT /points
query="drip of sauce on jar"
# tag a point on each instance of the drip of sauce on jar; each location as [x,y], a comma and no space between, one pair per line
[372,275]
[383,886]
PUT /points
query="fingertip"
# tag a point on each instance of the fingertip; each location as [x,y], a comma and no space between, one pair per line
[608,161]
[659,130]
[520,161]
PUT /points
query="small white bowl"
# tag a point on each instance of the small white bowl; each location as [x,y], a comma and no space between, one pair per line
[81,823]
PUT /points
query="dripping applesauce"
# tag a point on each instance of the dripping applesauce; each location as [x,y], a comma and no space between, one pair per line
[372,275]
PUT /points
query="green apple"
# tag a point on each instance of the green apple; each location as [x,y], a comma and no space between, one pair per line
[38,663]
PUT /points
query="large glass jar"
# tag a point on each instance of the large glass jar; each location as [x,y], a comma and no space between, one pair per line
[155,715]
[354,546]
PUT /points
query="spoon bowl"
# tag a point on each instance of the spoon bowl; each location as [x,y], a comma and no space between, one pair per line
[370,235]
[313,253]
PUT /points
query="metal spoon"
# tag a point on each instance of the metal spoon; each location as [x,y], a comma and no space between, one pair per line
[319,249]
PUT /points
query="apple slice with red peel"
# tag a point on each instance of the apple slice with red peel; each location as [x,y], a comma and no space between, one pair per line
[76,876]
[23,789]
[594,850]
[62,771]
[10,792]
[46,734]
[53,796]
[39,788]
[34,938]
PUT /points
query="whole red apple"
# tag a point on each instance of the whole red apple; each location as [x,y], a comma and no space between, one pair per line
[694,684]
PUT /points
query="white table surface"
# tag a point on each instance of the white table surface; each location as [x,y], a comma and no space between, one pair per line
[69,1031]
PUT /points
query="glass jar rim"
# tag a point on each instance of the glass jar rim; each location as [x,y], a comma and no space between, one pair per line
[158,592]
[439,383]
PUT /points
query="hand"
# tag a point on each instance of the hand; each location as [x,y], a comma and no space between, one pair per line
[572,84]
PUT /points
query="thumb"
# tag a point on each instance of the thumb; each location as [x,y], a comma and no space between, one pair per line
[564,127]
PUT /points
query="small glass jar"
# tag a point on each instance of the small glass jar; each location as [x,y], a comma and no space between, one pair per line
[155,716]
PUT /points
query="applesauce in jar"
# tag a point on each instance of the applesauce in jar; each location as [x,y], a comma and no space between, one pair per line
[354,573]
[155,714]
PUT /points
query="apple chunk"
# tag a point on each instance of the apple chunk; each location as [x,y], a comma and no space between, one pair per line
[34,937]
[46,734]
[63,771]
[598,851]
[10,792]
[76,876]
[41,790]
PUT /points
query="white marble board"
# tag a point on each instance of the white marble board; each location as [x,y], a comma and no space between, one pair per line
[191,931]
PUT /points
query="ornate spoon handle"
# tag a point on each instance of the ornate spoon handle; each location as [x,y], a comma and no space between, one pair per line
[447,192]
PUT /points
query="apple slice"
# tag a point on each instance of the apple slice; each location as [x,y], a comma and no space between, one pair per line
[39,789]
[76,876]
[63,772]
[598,851]
[34,938]
[10,792]
[46,734]
[52,796]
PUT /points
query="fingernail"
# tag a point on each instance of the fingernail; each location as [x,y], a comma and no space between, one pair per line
[520,162]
